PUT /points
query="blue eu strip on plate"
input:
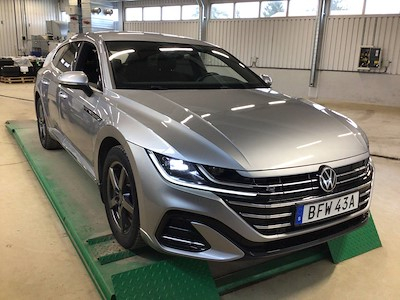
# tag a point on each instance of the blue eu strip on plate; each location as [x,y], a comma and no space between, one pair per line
[299,215]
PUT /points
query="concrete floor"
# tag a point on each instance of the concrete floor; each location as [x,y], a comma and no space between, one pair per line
[38,260]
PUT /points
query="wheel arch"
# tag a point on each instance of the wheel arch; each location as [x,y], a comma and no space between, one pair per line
[105,147]
[107,138]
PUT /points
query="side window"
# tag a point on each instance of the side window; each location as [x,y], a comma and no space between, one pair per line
[89,63]
[65,57]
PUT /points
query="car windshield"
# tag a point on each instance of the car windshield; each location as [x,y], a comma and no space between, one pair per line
[155,65]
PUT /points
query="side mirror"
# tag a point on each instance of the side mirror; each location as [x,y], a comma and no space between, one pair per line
[76,80]
[267,79]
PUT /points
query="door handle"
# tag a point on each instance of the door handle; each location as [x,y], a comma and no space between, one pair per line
[62,95]
[45,81]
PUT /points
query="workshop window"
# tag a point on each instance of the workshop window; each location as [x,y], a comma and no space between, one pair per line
[271,9]
[222,11]
[190,12]
[171,13]
[152,13]
[375,7]
[134,14]
[346,7]
[299,8]
[247,10]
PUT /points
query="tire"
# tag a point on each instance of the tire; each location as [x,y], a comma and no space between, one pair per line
[118,192]
[45,139]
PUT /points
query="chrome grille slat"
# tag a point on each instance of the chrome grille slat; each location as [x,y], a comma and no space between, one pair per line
[285,184]
[363,202]
[274,226]
[265,217]
[289,192]
[291,203]
[187,242]
[351,179]
[352,171]
[367,192]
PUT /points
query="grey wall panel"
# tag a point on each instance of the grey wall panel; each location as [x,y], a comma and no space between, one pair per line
[345,34]
[288,42]
[37,12]
[23,18]
[388,34]
[182,28]
[277,42]
[8,34]
[395,51]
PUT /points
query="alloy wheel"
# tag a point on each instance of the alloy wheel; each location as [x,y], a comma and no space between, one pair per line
[120,196]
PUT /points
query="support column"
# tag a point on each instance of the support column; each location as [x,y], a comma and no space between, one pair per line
[204,15]
[86,15]
[323,8]
[74,11]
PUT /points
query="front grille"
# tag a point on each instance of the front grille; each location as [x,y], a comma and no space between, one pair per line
[272,210]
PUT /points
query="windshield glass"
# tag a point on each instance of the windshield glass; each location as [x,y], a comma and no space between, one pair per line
[154,65]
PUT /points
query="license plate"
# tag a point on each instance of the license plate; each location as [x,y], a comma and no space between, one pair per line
[325,209]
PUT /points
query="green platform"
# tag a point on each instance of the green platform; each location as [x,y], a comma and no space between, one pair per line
[146,274]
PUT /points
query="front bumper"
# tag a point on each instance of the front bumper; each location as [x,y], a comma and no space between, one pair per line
[201,224]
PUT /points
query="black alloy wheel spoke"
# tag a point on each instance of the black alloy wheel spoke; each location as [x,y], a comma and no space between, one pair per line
[113,201]
[113,180]
[121,180]
[119,196]
[127,205]
[121,218]
[42,124]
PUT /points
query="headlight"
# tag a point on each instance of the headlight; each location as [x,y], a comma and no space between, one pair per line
[177,169]
[188,174]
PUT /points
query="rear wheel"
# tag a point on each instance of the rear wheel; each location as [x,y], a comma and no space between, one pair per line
[45,139]
[118,191]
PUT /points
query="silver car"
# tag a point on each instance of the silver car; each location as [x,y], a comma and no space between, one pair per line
[196,155]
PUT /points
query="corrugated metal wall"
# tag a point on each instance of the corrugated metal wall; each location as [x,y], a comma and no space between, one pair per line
[182,28]
[37,12]
[344,36]
[288,42]
[8,34]
[277,42]
[20,18]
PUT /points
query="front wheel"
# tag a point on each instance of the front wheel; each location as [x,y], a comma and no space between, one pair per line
[118,192]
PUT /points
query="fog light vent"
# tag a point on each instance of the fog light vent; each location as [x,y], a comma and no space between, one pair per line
[180,234]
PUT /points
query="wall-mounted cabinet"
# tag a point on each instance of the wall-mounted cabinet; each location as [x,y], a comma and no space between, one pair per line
[370,58]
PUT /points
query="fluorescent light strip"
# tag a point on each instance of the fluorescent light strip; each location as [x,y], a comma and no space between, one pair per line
[242,107]
[175,49]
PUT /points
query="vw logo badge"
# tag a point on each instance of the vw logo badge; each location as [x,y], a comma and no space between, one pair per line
[327,179]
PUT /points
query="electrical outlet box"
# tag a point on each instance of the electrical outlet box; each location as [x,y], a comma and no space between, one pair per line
[370,58]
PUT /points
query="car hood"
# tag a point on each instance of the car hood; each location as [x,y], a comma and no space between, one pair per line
[249,129]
